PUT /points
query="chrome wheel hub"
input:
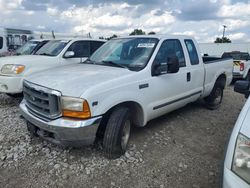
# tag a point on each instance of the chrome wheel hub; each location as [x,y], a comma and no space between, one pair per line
[125,134]
[217,99]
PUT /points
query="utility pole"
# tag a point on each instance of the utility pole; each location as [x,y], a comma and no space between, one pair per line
[224,29]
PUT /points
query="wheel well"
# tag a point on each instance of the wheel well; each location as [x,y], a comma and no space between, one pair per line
[136,113]
[221,80]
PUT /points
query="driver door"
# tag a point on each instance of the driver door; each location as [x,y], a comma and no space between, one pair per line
[169,91]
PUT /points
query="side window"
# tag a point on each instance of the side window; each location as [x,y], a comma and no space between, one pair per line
[170,48]
[80,48]
[1,42]
[193,56]
[94,45]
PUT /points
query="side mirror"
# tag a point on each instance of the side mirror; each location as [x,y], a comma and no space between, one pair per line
[242,86]
[69,54]
[160,69]
[172,66]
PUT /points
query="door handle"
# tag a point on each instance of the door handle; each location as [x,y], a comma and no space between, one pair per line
[188,77]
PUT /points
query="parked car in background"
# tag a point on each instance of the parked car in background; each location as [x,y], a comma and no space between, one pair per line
[54,53]
[241,68]
[29,48]
[237,160]
[128,80]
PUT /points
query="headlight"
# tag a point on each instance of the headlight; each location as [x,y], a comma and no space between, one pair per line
[241,161]
[75,107]
[12,69]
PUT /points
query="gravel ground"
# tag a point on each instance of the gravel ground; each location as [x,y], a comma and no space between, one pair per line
[181,149]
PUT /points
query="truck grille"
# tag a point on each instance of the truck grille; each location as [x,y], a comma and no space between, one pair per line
[41,101]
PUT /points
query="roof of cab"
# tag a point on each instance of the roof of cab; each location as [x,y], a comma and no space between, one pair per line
[39,40]
[69,39]
[159,36]
[80,38]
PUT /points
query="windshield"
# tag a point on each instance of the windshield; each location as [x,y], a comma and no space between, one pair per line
[52,48]
[27,48]
[236,56]
[131,53]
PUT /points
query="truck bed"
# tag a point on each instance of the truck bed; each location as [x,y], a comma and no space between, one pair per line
[213,68]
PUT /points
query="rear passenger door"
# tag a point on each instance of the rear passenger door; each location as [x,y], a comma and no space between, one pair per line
[81,51]
[196,68]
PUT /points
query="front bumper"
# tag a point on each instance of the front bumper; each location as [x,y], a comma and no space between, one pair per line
[231,180]
[10,84]
[64,131]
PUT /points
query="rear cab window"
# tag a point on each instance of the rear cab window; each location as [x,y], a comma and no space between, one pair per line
[192,52]
[236,55]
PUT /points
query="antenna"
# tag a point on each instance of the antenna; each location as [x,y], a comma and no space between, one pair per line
[53,34]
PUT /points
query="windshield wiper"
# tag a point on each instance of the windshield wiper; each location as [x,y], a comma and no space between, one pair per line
[115,64]
[88,61]
[45,54]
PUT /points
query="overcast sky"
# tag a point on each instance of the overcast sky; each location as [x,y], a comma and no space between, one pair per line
[203,19]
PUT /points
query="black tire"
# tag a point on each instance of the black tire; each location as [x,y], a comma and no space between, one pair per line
[32,129]
[16,95]
[248,76]
[117,133]
[214,100]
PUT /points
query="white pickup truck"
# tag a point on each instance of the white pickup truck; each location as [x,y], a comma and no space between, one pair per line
[128,81]
[54,53]
[241,68]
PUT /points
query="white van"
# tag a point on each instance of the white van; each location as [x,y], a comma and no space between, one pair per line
[3,42]
[11,39]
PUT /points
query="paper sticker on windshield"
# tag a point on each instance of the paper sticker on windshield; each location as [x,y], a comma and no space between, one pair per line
[146,45]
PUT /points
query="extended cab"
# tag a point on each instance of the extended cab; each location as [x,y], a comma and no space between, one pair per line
[55,53]
[127,81]
[241,68]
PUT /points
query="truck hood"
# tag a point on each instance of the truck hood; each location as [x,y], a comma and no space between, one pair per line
[26,60]
[74,80]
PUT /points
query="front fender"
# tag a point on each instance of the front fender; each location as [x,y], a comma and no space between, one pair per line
[116,98]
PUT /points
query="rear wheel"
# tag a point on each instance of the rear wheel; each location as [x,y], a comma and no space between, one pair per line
[117,133]
[214,100]
[248,76]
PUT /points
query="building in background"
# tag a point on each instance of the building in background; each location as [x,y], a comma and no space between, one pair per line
[217,49]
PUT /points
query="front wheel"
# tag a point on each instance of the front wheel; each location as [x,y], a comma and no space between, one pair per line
[117,133]
[214,100]
[15,95]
